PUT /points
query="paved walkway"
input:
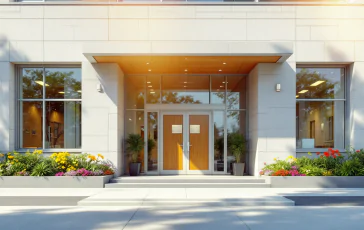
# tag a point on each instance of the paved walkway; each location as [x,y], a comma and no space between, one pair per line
[197,217]
[181,218]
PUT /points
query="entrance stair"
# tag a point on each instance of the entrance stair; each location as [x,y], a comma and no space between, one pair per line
[161,191]
[190,181]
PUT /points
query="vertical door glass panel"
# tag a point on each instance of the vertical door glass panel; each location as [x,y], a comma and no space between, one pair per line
[236,94]
[198,143]
[235,123]
[320,124]
[317,83]
[63,83]
[152,141]
[135,92]
[185,89]
[218,89]
[173,142]
[32,83]
[32,124]
[63,124]
[134,124]
[218,141]
[153,89]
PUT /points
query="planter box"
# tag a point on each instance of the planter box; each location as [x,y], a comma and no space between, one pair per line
[315,181]
[54,181]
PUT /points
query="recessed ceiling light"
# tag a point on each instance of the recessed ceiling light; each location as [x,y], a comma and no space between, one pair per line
[79,91]
[185,82]
[317,83]
[129,119]
[185,86]
[61,92]
[303,91]
[186,70]
[224,63]
[149,70]
[41,83]
[220,70]
[147,63]
[152,92]
[148,82]
[221,86]
[297,96]
[150,86]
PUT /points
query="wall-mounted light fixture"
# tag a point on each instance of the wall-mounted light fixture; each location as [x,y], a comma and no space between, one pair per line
[99,87]
[278,87]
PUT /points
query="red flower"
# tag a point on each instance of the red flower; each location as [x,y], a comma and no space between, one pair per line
[318,153]
[338,154]
[334,156]
[265,163]
[337,151]
[357,151]
[281,172]
[326,154]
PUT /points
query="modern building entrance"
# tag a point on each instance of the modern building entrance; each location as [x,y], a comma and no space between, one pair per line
[186,143]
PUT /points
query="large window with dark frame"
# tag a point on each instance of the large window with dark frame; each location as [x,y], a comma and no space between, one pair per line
[320,107]
[49,105]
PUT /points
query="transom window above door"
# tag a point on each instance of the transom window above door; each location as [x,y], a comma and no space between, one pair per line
[186,89]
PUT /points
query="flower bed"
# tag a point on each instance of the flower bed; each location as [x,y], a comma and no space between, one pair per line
[58,164]
[329,163]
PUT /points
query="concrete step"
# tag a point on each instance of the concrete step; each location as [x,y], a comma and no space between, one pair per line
[245,201]
[187,185]
[187,179]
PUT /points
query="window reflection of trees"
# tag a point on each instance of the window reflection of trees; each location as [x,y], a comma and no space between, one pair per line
[306,77]
[58,85]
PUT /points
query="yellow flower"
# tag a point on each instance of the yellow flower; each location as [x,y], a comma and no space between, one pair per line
[309,153]
[10,157]
[63,167]
[275,159]
[1,155]
[101,156]
[12,163]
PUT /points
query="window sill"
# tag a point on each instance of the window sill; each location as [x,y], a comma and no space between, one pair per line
[317,150]
[51,150]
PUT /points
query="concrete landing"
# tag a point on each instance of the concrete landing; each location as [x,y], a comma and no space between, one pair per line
[182,197]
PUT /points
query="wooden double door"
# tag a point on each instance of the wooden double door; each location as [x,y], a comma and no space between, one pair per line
[186,143]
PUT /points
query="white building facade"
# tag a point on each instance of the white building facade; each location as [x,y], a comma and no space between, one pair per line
[186,76]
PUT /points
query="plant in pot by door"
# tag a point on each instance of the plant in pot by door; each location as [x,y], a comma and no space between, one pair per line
[236,146]
[151,146]
[135,145]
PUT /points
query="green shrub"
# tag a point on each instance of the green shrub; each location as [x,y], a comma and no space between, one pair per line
[42,169]
[351,167]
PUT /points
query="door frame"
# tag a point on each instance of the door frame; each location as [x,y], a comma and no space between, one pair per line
[185,131]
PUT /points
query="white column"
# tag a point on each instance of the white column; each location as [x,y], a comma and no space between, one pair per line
[102,112]
[7,106]
[356,115]
[271,114]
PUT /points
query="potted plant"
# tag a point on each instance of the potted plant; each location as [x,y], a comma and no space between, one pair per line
[135,145]
[151,146]
[236,146]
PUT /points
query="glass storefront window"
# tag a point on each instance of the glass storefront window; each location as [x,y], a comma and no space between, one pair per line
[218,89]
[135,92]
[152,144]
[320,124]
[61,126]
[320,108]
[236,93]
[219,140]
[153,89]
[186,89]
[32,83]
[134,124]
[63,83]
[235,123]
[320,83]
[32,124]
[63,122]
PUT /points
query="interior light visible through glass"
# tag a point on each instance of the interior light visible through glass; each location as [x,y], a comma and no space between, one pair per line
[317,83]
[41,83]
[303,91]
